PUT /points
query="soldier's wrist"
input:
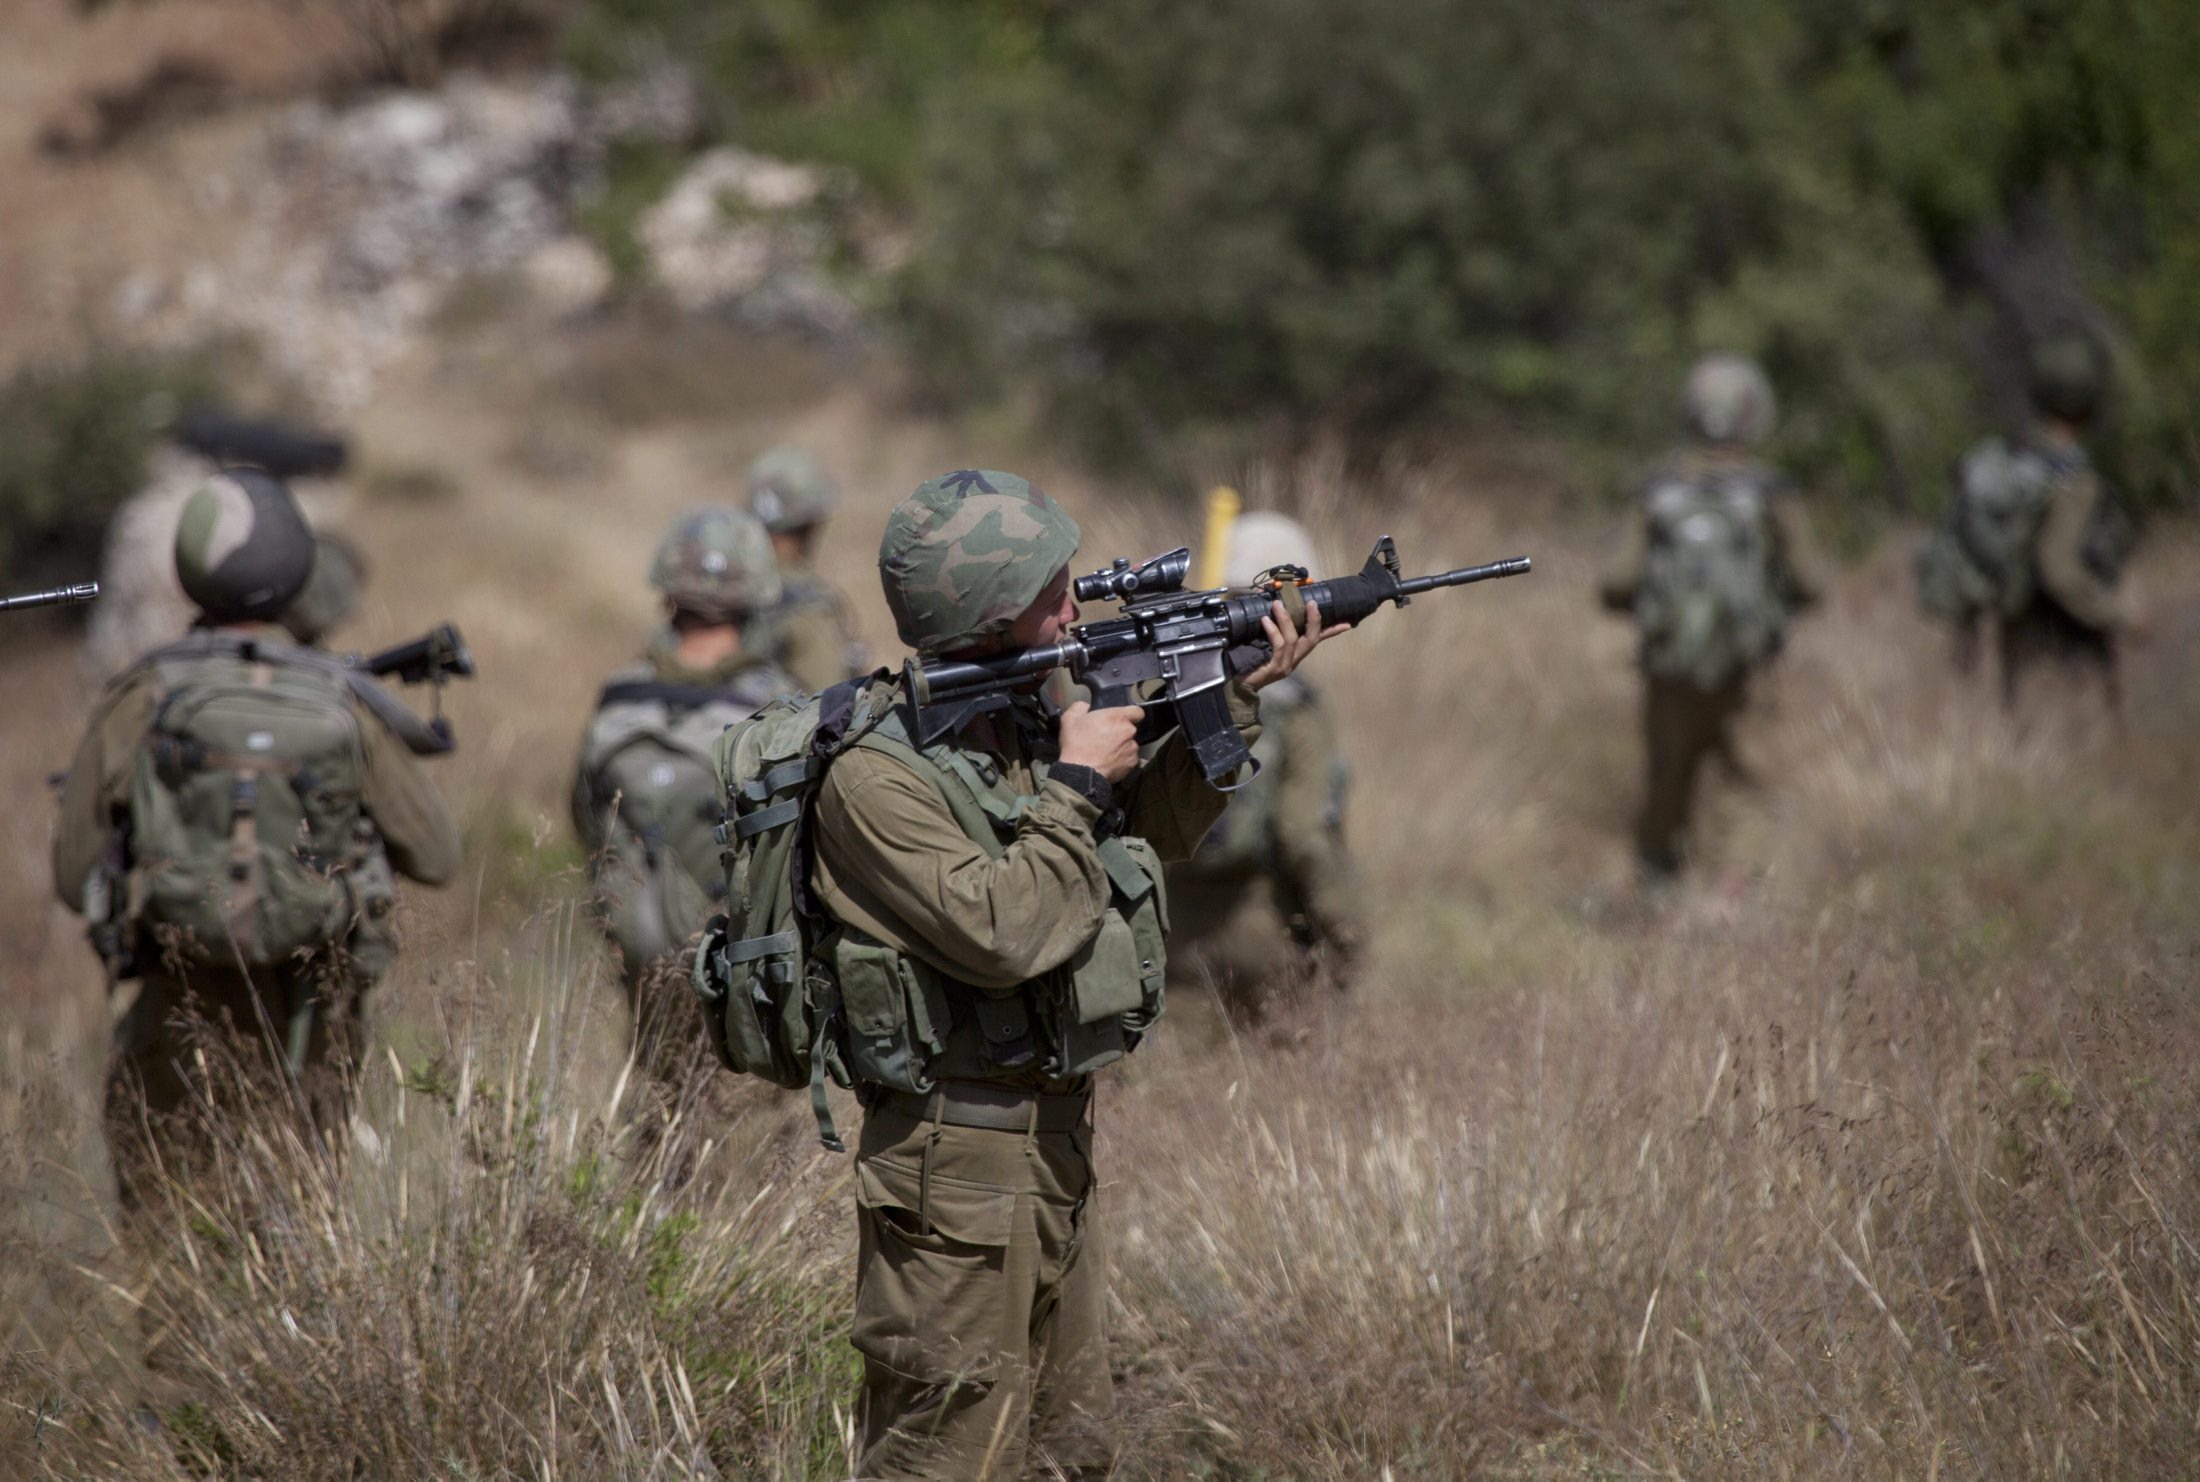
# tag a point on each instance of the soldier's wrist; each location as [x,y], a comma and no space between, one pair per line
[1086,782]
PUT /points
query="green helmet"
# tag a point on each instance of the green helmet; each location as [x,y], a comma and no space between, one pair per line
[716,562]
[789,491]
[1728,400]
[331,593]
[2067,374]
[243,551]
[966,553]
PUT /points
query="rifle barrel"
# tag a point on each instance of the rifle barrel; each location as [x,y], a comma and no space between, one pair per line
[83,591]
[1510,566]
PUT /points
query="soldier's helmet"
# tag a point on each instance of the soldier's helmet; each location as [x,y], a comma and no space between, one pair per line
[788,491]
[331,594]
[966,553]
[1729,400]
[2066,372]
[716,562]
[1261,540]
[243,552]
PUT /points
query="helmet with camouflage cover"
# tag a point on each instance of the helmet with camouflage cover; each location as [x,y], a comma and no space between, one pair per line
[1729,400]
[243,551]
[331,593]
[1262,540]
[2066,372]
[788,491]
[966,553]
[717,563]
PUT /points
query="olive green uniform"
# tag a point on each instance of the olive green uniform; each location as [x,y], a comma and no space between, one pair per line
[415,836]
[1246,912]
[2074,618]
[981,1288]
[806,632]
[1684,723]
[665,1022]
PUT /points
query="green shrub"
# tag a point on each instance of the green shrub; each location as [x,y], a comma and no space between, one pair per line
[74,437]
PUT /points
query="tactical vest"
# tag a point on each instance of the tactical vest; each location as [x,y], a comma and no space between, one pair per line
[246,838]
[908,1025]
[1709,605]
[648,803]
[766,632]
[1243,841]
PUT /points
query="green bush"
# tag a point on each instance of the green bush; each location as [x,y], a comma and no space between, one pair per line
[74,437]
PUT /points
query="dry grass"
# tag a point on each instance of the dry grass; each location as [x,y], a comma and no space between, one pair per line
[1872,1154]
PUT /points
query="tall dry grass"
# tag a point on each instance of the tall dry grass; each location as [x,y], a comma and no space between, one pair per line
[1871,1153]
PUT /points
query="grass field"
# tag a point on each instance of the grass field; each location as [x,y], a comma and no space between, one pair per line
[1871,1153]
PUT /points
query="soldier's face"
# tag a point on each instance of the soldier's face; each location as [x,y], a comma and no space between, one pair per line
[1049,613]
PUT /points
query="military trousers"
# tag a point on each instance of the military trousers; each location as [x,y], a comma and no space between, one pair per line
[2076,663]
[981,1295]
[285,1036]
[1683,726]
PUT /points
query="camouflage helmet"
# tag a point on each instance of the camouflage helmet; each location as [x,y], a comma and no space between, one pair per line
[966,553]
[242,548]
[717,563]
[331,594]
[1260,540]
[788,490]
[2067,374]
[1729,400]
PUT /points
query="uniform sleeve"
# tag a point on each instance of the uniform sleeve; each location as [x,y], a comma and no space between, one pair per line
[2063,571]
[813,647]
[892,861]
[1318,880]
[1622,574]
[1801,562]
[96,792]
[408,812]
[1171,804]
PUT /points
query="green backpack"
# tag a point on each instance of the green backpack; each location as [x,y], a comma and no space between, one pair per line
[647,804]
[1243,840]
[245,818]
[1709,605]
[770,1003]
[1984,557]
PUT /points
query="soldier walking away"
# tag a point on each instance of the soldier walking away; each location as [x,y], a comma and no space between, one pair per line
[645,798]
[1716,555]
[806,631]
[1271,899]
[230,826]
[2034,543]
[988,933]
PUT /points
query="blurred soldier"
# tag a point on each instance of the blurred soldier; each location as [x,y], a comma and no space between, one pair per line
[806,631]
[332,592]
[2033,544]
[1716,556]
[645,800]
[1272,891]
[997,905]
[231,821]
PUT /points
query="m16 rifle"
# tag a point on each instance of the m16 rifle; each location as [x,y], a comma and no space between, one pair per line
[436,657]
[1170,650]
[83,591]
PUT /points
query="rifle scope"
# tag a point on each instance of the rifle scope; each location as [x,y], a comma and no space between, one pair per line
[1122,581]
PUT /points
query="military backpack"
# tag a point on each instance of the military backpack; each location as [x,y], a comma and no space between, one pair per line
[647,804]
[1243,840]
[1710,604]
[795,997]
[1984,557]
[245,805]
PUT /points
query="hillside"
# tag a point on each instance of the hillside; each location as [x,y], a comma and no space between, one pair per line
[1872,1152]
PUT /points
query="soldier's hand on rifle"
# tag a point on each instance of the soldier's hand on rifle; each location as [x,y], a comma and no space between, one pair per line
[1287,645]
[1104,740]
